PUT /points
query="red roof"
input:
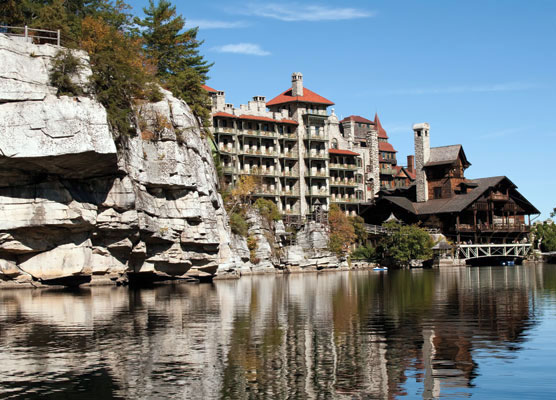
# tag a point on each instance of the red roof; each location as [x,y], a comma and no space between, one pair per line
[385,146]
[342,152]
[308,97]
[209,89]
[381,131]
[357,118]
[257,118]
[412,175]
[223,114]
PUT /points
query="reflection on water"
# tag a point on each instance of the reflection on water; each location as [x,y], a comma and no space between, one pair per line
[423,333]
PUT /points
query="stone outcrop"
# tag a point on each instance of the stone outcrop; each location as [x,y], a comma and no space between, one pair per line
[75,208]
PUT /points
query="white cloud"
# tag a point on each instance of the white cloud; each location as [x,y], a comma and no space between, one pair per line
[215,24]
[242,48]
[297,12]
[501,87]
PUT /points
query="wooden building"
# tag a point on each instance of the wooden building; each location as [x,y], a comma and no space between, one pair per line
[485,210]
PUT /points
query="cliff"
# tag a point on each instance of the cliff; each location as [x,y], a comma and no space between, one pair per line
[74,207]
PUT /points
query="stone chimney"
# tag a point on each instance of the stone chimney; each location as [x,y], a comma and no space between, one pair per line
[422,153]
[220,101]
[373,174]
[411,163]
[297,84]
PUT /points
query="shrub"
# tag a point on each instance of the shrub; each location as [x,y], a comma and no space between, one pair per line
[238,224]
[268,210]
[65,66]
[342,234]
[252,246]
[364,252]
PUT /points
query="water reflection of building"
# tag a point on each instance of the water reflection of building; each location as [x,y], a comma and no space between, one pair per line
[343,335]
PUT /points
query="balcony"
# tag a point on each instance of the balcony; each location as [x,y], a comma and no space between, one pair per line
[291,192]
[338,198]
[224,149]
[258,133]
[499,197]
[229,170]
[316,136]
[290,154]
[229,131]
[496,227]
[343,182]
[316,174]
[259,171]
[259,152]
[387,171]
[265,191]
[316,155]
[347,167]
[318,192]
[291,174]
[288,136]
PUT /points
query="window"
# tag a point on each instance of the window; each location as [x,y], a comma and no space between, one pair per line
[359,178]
[437,192]
[280,129]
[359,162]
[224,123]
[334,143]
[265,127]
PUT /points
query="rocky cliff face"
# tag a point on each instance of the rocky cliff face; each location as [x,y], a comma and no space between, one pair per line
[75,208]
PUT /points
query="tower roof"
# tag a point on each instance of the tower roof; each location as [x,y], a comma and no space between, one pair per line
[379,128]
[308,97]
[209,89]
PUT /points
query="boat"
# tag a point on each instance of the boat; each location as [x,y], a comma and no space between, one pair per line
[380,269]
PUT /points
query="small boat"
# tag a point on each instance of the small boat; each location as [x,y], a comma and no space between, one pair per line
[380,269]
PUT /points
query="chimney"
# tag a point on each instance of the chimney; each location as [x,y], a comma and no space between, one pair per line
[411,163]
[220,100]
[374,166]
[297,84]
[422,153]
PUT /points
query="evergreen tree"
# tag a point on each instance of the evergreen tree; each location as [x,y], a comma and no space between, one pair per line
[175,54]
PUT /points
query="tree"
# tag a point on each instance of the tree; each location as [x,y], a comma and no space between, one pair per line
[342,233]
[545,236]
[405,243]
[359,229]
[175,54]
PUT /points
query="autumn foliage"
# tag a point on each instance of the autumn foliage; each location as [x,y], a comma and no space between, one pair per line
[342,232]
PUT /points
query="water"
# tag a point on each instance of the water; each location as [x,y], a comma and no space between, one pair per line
[487,332]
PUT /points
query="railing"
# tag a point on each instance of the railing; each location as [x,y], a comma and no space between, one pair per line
[259,152]
[467,251]
[259,171]
[342,182]
[510,227]
[265,192]
[334,199]
[290,154]
[387,171]
[268,134]
[343,166]
[29,33]
[288,136]
[316,174]
[316,136]
[321,155]
[225,149]
[229,170]
[291,192]
[224,130]
[499,197]
[293,174]
[317,192]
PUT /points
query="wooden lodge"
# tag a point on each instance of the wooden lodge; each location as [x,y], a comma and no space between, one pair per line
[485,210]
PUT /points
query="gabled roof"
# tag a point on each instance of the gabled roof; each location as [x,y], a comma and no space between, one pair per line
[380,130]
[447,155]
[209,89]
[459,202]
[385,146]
[308,97]
[357,118]
[343,152]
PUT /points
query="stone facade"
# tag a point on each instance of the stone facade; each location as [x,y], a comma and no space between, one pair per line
[422,153]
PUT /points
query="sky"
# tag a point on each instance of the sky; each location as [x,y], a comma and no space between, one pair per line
[481,73]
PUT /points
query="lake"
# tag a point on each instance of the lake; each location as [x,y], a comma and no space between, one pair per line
[486,332]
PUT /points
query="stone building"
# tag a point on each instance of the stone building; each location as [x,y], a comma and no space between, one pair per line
[303,155]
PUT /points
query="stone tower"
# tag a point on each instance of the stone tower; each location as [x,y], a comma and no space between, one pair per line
[297,84]
[373,175]
[422,153]
[219,100]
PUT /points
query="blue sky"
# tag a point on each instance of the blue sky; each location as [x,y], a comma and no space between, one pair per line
[482,73]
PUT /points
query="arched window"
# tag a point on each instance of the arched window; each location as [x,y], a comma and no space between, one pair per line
[334,143]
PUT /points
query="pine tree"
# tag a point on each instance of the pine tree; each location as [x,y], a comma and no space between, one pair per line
[175,54]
